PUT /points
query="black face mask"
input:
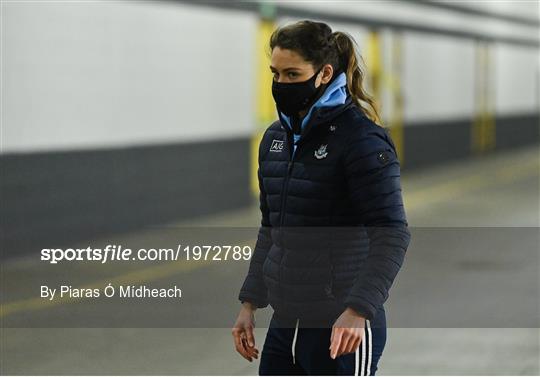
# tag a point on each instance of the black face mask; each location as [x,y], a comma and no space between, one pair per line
[293,97]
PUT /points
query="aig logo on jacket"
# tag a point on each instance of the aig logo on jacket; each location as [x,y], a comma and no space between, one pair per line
[277,146]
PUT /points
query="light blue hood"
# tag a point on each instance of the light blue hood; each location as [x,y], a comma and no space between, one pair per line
[335,94]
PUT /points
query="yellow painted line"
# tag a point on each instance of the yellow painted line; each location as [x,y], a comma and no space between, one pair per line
[393,82]
[483,131]
[453,189]
[265,106]
[375,68]
[413,201]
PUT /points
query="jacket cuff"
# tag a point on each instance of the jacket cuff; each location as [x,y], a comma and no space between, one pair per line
[362,307]
[257,301]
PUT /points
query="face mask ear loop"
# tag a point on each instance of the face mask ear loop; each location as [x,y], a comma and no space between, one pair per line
[320,89]
[317,73]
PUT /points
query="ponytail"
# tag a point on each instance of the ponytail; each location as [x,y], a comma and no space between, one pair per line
[349,59]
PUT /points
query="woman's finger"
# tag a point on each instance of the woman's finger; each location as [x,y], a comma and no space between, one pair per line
[246,348]
[336,341]
[238,342]
[357,343]
[353,339]
[250,336]
[345,336]
[251,351]
[240,348]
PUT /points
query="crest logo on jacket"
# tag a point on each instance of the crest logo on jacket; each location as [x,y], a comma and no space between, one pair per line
[277,146]
[321,152]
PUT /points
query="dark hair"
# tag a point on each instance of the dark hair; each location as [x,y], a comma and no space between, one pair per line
[318,45]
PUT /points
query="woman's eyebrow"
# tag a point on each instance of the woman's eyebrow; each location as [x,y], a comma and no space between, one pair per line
[286,69]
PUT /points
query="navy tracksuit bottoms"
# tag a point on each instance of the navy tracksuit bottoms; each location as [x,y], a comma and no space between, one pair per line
[305,350]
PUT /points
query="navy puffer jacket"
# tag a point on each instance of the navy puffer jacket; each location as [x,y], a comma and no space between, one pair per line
[333,232]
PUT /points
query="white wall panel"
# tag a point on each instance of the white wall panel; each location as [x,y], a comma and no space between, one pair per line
[517,79]
[438,79]
[97,74]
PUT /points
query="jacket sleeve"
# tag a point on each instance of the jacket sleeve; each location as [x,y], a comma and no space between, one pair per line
[373,180]
[254,289]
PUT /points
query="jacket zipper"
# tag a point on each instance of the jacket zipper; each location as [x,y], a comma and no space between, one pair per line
[288,175]
[284,189]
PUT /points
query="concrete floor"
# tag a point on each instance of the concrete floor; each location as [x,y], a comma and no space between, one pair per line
[498,335]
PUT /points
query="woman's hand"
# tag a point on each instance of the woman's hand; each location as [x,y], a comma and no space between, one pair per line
[347,333]
[242,332]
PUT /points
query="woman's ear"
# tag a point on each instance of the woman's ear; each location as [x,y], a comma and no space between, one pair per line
[327,74]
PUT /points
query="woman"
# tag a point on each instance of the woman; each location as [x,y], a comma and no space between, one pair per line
[333,233]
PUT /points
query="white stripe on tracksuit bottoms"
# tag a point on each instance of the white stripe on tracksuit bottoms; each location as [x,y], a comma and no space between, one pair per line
[294,340]
[365,363]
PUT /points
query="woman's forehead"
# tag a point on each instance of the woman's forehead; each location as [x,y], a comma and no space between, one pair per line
[284,58]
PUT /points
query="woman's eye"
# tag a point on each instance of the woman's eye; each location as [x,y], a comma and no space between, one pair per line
[291,75]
